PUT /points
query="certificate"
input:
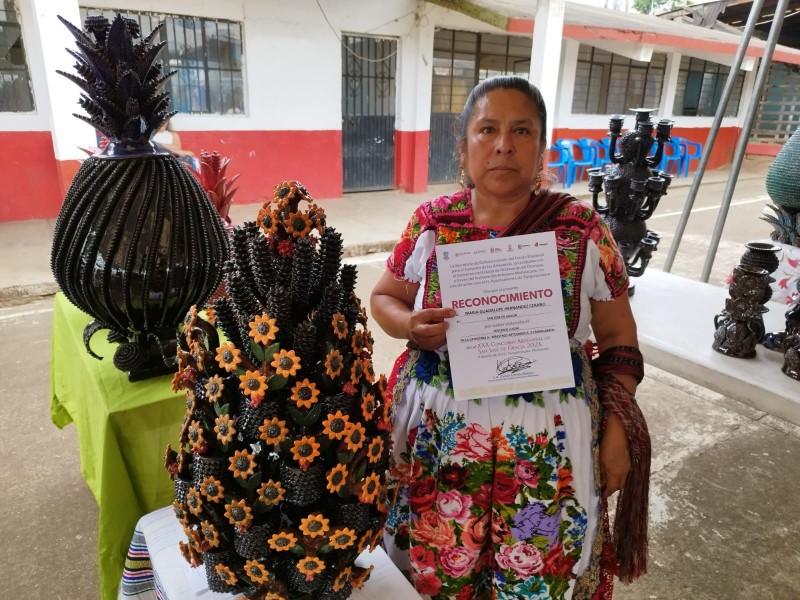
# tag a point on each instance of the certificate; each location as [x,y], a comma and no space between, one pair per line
[509,335]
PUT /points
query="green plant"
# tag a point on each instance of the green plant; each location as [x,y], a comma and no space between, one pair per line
[786,224]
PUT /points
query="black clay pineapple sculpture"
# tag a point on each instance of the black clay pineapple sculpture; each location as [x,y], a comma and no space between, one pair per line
[280,474]
[137,241]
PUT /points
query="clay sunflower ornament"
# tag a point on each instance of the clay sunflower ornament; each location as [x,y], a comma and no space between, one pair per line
[281,466]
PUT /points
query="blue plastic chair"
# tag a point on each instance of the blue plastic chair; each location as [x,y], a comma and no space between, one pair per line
[560,164]
[600,150]
[690,150]
[581,158]
[671,157]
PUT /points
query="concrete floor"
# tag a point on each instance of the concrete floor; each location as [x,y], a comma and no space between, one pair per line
[724,488]
[724,500]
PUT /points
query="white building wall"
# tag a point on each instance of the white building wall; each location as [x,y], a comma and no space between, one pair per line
[415,77]
[55,97]
[292,55]
[561,114]
[747,92]
[293,62]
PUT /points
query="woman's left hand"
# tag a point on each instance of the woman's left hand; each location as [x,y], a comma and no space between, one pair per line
[615,457]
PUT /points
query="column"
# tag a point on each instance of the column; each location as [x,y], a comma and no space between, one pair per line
[670,86]
[546,52]
[68,133]
[412,135]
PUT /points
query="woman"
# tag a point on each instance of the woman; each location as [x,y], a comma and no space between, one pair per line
[170,140]
[505,496]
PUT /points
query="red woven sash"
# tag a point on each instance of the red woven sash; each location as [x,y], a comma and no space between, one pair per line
[630,523]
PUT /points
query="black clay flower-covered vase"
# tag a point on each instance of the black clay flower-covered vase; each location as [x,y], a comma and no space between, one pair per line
[291,408]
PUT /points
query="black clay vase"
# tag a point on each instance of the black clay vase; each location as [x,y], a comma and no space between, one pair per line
[761,255]
[137,241]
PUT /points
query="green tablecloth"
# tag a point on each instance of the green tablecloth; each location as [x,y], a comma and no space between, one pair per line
[123,429]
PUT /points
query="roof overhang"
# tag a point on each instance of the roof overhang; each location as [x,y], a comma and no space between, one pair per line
[632,34]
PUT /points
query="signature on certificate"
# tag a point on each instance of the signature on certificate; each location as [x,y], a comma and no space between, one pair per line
[514,364]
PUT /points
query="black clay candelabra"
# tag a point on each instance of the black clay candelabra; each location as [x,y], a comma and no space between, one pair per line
[633,186]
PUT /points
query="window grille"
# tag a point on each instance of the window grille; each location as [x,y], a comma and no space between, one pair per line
[504,55]
[454,69]
[778,115]
[607,83]
[462,59]
[700,85]
[16,94]
[207,55]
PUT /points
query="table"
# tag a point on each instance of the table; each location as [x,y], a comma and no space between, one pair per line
[675,325]
[123,429]
[160,566]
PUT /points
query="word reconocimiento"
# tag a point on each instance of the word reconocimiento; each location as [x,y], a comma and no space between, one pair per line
[502,298]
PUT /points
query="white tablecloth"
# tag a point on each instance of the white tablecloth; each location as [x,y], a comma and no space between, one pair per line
[172,578]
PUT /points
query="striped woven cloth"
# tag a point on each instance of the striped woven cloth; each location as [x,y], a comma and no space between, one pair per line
[138,579]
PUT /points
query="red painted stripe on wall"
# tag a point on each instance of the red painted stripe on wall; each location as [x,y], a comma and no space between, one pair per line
[264,159]
[411,160]
[29,179]
[763,149]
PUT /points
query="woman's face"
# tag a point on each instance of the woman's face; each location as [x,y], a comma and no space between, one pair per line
[502,153]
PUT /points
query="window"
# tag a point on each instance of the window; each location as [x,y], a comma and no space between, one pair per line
[461,59]
[504,55]
[700,85]
[777,116]
[454,71]
[15,81]
[207,55]
[607,83]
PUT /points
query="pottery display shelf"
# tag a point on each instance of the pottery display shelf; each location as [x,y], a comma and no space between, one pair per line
[675,322]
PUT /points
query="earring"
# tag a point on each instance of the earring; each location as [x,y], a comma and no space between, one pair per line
[537,184]
[462,179]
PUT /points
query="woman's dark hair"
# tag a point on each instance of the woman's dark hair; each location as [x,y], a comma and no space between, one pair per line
[503,82]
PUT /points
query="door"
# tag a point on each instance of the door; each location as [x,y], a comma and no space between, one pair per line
[368,112]
[442,158]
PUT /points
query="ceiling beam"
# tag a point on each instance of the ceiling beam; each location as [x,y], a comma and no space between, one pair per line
[476,11]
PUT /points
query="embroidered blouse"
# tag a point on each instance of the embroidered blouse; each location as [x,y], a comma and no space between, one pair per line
[590,264]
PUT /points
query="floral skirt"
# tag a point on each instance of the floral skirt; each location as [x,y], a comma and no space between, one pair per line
[494,498]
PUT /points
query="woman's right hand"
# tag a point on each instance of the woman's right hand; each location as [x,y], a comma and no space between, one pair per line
[427,327]
[392,303]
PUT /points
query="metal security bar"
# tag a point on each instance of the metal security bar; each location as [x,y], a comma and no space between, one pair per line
[610,83]
[16,94]
[777,116]
[461,59]
[207,53]
[368,112]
